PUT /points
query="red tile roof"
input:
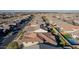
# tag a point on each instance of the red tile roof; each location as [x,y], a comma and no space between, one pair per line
[70,28]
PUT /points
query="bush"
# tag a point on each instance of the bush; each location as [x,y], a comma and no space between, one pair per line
[67,35]
[13,45]
[77,38]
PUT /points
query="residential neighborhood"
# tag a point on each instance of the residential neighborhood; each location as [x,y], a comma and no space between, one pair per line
[39,30]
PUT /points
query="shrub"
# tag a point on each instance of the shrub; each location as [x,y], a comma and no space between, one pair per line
[13,45]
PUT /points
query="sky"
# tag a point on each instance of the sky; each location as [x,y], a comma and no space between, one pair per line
[65,11]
